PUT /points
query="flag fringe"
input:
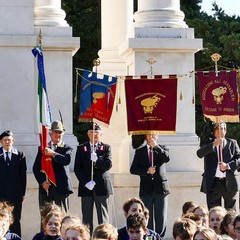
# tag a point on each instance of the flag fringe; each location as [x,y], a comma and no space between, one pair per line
[223,118]
[141,132]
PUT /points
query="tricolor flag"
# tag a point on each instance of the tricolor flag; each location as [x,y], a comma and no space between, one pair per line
[219,95]
[151,104]
[44,116]
[97,97]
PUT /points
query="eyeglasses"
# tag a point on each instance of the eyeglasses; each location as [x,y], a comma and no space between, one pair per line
[237,229]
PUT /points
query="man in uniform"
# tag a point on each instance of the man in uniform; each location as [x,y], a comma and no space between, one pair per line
[60,154]
[92,163]
[13,178]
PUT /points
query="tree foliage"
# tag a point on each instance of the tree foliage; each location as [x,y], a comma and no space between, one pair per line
[220,34]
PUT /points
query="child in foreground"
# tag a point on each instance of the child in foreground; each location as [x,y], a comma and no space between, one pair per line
[51,224]
[77,232]
[216,215]
[184,228]
[236,225]
[105,231]
[136,226]
[66,222]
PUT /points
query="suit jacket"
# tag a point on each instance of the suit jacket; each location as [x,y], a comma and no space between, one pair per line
[231,156]
[13,178]
[83,169]
[60,165]
[149,184]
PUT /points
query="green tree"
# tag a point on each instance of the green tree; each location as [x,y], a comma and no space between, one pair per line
[85,19]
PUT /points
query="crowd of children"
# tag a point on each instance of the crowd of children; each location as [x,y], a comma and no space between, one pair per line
[195,223]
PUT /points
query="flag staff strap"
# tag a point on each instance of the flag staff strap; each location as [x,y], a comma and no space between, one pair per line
[40,38]
[215,58]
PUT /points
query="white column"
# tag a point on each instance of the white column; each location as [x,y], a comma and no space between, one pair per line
[116,17]
[159,13]
[49,13]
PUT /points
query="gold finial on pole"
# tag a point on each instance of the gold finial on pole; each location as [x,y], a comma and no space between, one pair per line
[40,38]
[96,63]
[215,58]
[151,61]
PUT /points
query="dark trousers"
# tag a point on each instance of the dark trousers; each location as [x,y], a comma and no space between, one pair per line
[101,204]
[16,225]
[53,196]
[157,206]
[219,191]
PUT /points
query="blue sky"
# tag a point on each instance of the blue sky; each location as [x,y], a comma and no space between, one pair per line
[229,6]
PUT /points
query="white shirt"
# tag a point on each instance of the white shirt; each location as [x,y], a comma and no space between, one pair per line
[218,173]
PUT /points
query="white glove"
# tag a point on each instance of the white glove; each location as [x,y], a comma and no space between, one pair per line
[94,157]
[90,185]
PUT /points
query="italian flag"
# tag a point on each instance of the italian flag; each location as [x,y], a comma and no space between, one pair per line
[44,116]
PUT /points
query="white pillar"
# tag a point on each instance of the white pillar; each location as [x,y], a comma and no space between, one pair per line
[159,13]
[49,13]
[116,18]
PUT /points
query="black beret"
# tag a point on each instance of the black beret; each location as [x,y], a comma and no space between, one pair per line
[94,126]
[6,133]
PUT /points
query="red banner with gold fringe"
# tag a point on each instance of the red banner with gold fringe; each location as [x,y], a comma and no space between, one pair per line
[219,95]
[151,104]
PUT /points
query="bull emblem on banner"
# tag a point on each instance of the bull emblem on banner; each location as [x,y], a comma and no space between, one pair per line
[150,103]
[218,94]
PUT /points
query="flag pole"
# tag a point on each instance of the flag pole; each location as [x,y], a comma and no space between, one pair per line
[215,58]
[96,63]
[46,132]
[92,150]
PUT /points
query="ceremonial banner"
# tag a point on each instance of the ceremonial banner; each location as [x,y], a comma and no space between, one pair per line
[219,96]
[151,105]
[97,97]
[44,116]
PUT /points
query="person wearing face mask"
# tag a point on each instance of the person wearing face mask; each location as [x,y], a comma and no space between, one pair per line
[149,163]
[92,164]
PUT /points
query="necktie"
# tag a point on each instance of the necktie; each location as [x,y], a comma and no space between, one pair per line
[7,159]
[219,154]
[150,155]
[54,147]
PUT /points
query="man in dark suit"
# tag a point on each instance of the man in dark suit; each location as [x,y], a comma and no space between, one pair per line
[221,160]
[92,163]
[149,163]
[60,154]
[13,178]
